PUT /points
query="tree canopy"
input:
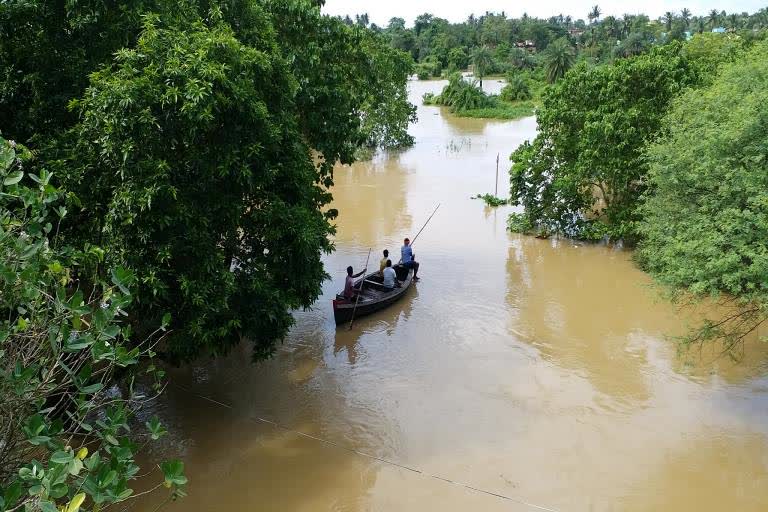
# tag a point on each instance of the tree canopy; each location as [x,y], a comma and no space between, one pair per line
[585,171]
[705,222]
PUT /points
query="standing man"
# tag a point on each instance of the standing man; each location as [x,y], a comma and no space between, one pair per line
[350,291]
[408,258]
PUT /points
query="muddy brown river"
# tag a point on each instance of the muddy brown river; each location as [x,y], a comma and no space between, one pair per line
[519,374]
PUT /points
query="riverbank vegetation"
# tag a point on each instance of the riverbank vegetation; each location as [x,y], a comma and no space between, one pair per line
[671,158]
[170,202]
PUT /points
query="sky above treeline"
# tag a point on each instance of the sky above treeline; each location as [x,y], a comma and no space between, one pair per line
[380,11]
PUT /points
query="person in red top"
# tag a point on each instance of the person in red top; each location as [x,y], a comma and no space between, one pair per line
[350,291]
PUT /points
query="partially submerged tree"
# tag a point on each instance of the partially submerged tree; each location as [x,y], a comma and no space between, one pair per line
[584,173]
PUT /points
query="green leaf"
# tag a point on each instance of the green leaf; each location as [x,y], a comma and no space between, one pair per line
[7,155]
[13,493]
[62,457]
[173,472]
[13,178]
[122,278]
[47,506]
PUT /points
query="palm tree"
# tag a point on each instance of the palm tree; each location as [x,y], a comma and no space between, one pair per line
[669,18]
[685,15]
[714,16]
[733,20]
[626,25]
[481,62]
[594,14]
[559,59]
[701,25]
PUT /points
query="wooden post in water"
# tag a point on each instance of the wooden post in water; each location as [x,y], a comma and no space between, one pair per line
[497,176]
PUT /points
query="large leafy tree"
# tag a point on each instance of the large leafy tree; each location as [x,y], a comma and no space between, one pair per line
[585,171]
[706,223]
[199,161]
[47,50]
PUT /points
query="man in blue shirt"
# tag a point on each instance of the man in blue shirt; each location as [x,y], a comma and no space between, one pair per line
[408,258]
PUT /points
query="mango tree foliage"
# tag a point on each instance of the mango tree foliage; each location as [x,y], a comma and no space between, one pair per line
[584,173]
[47,50]
[352,83]
[65,433]
[194,171]
[705,223]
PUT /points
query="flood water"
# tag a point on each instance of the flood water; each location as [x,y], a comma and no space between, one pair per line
[538,370]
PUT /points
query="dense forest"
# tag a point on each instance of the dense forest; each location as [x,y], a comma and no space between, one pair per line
[531,52]
[164,179]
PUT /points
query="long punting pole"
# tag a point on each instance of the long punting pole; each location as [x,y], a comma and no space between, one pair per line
[425,224]
[359,293]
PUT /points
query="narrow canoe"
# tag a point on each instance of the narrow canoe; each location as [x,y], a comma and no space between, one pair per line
[374,296]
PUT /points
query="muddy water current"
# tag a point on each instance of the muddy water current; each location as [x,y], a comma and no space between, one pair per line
[519,374]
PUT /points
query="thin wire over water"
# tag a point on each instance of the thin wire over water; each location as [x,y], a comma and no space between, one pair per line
[372,457]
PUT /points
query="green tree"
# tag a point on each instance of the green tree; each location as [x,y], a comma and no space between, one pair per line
[516,89]
[461,95]
[706,221]
[65,435]
[458,58]
[237,108]
[559,58]
[62,42]
[584,173]
[685,15]
[482,62]
[714,18]
[594,14]
[668,19]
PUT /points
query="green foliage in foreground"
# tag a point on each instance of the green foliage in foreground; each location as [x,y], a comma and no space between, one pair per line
[705,223]
[64,430]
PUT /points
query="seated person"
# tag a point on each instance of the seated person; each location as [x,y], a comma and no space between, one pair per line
[383,262]
[390,276]
[350,290]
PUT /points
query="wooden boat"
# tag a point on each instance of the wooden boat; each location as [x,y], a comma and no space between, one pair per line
[374,296]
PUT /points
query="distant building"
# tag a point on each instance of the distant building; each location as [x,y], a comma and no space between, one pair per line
[526,45]
[575,32]
[719,30]
[688,35]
